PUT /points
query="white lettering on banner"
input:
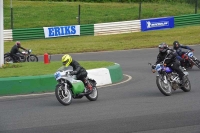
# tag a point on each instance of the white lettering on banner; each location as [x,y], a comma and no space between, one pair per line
[156,24]
[61,31]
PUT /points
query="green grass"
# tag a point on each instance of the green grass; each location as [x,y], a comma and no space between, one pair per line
[36,14]
[39,68]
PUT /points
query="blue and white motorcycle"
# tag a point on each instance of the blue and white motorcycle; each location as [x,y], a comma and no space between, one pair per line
[168,80]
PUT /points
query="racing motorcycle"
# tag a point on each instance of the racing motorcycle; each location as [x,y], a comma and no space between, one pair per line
[23,57]
[69,87]
[168,80]
[190,60]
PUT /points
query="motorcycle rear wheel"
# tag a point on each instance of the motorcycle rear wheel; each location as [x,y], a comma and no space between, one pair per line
[165,88]
[64,97]
[187,86]
[32,58]
[94,95]
[8,59]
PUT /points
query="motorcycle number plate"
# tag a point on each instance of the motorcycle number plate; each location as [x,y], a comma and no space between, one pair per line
[190,54]
[57,75]
[158,67]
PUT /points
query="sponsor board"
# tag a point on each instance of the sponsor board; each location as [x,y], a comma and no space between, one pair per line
[59,31]
[157,23]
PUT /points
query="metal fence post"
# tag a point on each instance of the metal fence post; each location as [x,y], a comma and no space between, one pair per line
[196,6]
[79,12]
[11,14]
[140,8]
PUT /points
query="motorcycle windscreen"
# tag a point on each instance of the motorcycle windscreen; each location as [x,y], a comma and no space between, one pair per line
[168,70]
[78,87]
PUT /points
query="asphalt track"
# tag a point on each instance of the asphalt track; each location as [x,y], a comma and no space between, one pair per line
[132,106]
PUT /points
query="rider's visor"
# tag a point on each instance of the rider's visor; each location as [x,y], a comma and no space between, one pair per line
[65,62]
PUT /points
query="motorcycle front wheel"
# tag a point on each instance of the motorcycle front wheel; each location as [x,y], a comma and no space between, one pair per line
[197,62]
[63,96]
[32,58]
[164,86]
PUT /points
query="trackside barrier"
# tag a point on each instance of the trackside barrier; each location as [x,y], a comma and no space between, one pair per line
[7,35]
[186,20]
[157,23]
[117,27]
[110,28]
[47,83]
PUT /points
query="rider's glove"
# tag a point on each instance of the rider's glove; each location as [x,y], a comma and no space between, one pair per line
[153,66]
[73,72]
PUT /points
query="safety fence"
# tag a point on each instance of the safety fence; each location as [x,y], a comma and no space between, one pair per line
[110,28]
[185,20]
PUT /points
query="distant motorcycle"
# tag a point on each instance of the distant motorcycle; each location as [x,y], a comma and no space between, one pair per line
[25,56]
[190,60]
[69,87]
[167,79]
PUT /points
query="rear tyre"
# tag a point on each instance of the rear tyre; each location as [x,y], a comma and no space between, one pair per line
[8,59]
[64,96]
[187,86]
[94,95]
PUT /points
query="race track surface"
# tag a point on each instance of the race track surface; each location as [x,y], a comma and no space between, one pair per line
[133,106]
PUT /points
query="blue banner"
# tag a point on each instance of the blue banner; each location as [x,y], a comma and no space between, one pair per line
[157,23]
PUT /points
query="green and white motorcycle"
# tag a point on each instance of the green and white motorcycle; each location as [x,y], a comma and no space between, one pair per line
[69,87]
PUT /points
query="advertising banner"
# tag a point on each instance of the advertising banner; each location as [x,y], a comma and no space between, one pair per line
[157,23]
[60,31]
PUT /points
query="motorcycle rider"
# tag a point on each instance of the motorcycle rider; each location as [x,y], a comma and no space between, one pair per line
[15,49]
[172,62]
[78,70]
[178,47]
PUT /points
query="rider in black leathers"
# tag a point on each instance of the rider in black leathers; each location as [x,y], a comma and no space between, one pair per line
[172,62]
[78,70]
[14,50]
[178,47]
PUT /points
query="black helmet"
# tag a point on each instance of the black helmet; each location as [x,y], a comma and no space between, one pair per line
[163,47]
[176,45]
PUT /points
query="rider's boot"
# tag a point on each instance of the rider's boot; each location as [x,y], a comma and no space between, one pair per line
[88,86]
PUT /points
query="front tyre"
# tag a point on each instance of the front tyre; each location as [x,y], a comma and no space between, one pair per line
[187,86]
[32,58]
[197,63]
[64,96]
[164,86]
[94,95]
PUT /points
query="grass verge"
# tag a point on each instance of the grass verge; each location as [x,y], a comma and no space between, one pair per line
[38,14]
[39,68]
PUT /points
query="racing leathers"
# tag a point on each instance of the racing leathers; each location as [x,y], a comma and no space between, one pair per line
[13,52]
[171,62]
[80,73]
[180,52]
